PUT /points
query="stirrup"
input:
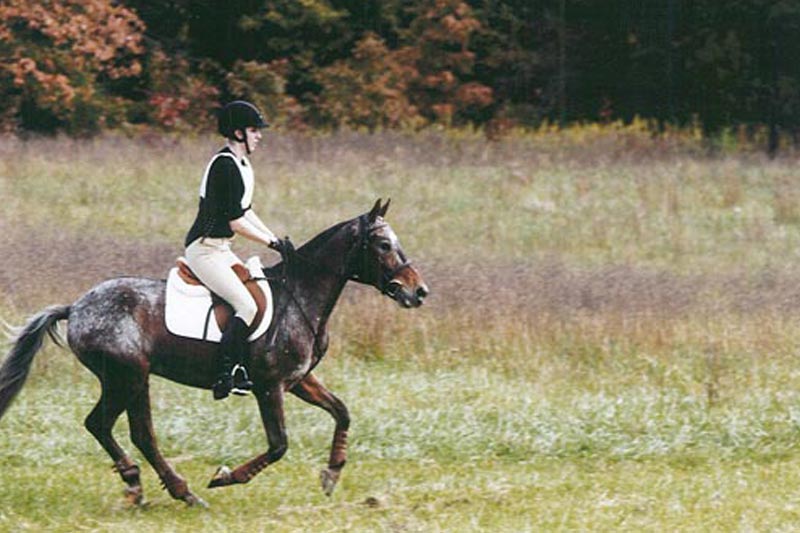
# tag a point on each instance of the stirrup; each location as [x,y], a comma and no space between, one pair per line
[241,381]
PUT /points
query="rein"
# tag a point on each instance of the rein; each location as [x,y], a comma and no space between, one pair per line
[365,230]
[346,273]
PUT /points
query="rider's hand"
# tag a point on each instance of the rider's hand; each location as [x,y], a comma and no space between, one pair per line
[283,246]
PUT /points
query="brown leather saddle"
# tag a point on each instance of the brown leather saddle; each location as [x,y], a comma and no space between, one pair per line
[222,309]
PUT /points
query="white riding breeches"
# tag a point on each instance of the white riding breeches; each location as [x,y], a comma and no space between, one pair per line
[211,260]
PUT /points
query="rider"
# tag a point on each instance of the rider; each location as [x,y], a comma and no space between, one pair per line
[226,193]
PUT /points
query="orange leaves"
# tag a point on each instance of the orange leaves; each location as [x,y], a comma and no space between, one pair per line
[448,21]
[474,94]
[441,62]
[26,69]
[55,51]
[168,109]
[91,27]
[428,79]
[50,89]
[370,89]
[21,70]
[82,65]
[180,99]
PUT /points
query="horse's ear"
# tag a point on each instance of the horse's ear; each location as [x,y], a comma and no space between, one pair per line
[375,212]
[385,208]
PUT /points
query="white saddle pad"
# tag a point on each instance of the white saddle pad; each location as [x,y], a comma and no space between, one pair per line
[188,310]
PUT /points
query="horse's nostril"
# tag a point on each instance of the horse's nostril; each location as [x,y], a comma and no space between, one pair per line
[393,287]
[422,292]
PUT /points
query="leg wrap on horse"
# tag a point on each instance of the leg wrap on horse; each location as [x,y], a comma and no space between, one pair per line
[176,486]
[128,470]
[250,469]
[338,450]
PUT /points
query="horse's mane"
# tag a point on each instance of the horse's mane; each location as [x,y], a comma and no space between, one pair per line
[307,251]
[310,248]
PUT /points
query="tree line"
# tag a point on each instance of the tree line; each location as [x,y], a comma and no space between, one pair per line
[81,66]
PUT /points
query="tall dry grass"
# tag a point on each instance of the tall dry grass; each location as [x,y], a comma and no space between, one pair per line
[600,253]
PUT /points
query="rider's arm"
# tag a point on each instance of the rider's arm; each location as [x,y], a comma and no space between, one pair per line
[251,217]
[244,227]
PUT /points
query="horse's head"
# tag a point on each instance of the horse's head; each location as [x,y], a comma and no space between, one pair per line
[379,260]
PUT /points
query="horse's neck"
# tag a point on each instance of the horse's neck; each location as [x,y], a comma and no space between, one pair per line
[320,277]
[316,292]
[323,295]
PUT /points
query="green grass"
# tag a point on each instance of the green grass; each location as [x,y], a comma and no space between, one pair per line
[461,449]
[610,345]
[482,496]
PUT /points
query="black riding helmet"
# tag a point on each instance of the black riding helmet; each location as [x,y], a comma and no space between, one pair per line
[238,115]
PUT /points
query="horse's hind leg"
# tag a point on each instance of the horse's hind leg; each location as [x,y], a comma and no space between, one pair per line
[313,392]
[100,423]
[143,437]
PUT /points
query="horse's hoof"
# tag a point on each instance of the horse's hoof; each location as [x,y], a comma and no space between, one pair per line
[134,496]
[329,478]
[193,501]
[222,478]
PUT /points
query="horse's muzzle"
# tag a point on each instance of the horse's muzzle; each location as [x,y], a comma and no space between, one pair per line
[408,297]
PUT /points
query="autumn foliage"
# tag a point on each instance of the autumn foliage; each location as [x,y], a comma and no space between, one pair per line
[62,59]
[415,84]
[81,66]
[442,62]
[84,65]
[369,89]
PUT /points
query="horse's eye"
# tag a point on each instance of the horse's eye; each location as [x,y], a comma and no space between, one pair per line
[384,247]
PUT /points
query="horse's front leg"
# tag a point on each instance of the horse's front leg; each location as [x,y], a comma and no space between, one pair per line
[313,392]
[270,404]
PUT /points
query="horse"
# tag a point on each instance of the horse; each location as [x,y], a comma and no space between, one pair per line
[117,330]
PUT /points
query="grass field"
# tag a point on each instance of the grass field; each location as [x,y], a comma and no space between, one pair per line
[611,342]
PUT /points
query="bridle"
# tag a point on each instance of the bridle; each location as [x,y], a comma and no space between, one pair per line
[384,283]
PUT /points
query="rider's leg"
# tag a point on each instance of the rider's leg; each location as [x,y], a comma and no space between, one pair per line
[233,346]
[211,261]
[232,376]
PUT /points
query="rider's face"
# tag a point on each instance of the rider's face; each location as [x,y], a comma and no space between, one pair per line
[253,137]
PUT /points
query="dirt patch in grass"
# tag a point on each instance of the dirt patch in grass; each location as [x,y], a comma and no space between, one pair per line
[49,267]
[40,267]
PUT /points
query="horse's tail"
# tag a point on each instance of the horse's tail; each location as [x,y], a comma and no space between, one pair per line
[17,364]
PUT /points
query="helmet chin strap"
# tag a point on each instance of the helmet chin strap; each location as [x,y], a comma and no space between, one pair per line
[242,140]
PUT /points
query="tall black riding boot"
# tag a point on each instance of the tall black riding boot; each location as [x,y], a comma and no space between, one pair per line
[232,348]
